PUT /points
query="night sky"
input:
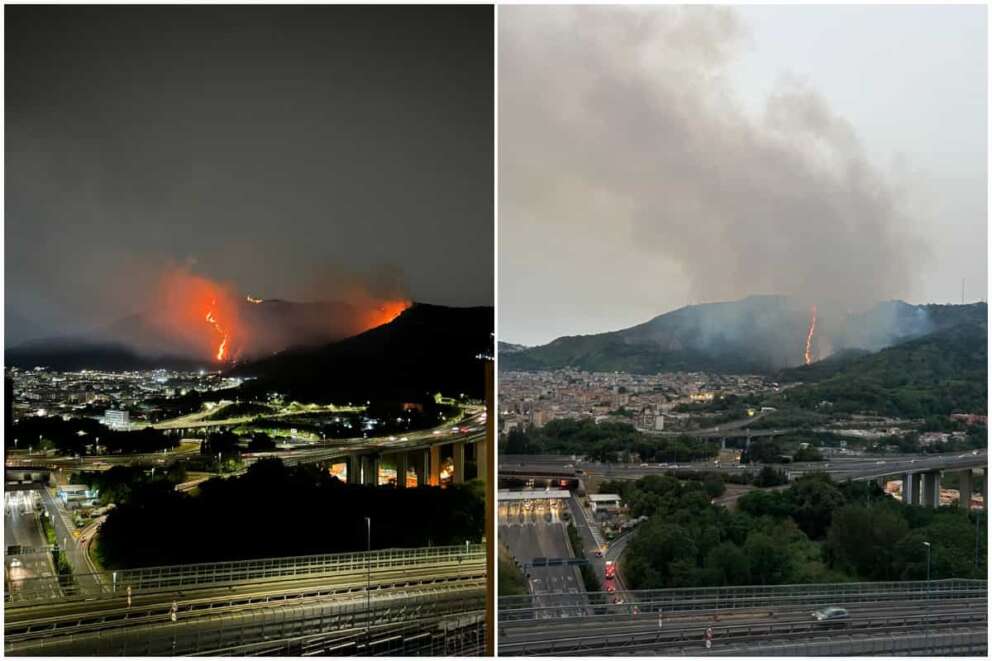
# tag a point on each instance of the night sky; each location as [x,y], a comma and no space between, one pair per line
[288,151]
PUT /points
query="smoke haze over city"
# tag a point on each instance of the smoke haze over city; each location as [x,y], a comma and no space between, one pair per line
[644,166]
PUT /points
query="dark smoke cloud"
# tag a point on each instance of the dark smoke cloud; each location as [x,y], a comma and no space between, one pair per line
[621,124]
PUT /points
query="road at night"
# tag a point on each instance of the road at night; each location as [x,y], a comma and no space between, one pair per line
[215,617]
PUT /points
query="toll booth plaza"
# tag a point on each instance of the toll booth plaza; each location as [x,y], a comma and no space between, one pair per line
[531,505]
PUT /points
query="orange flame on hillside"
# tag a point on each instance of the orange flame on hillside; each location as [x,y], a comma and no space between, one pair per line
[808,354]
[212,320]
[386,312]
[185,301]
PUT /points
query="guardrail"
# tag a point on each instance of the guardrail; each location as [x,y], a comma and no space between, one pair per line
[265,624]
[656,639]
[940,643]
[714,598]
[242,571]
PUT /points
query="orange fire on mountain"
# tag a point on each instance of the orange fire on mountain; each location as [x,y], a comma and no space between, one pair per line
[195,315]
[808,354]
[199,313]
[212,320]
[385,312]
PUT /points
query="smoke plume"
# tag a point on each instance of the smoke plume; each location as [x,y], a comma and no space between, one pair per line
[622,125]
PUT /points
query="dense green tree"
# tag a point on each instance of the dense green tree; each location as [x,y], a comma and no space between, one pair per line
[727,564]
[861,541]
[814,499]
[770,561]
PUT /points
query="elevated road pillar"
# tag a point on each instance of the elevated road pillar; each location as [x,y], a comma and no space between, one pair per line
[931,489]
[370,470]
[354,470]
[435,480]
[422,466]
[401,464]
[480,459]
[910,489]
[965,486]
[459,461]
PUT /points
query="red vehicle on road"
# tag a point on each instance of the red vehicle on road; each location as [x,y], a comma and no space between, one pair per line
[611,569]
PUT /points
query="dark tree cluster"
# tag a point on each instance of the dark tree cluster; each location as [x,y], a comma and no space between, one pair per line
[608,442]
[277,511]
[120,483]
[79,436]
[814,531]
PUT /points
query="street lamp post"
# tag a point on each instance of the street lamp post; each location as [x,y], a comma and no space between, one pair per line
[368,576]
[926,631]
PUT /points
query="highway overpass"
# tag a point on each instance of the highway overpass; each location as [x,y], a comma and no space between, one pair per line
[423,452]
[920,471]
[917,617]
[402,601]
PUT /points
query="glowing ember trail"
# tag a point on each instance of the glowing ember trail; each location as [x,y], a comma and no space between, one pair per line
[808,355]
[212,320]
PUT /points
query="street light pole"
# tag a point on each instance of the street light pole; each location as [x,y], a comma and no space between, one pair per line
[926,631]
[368,575]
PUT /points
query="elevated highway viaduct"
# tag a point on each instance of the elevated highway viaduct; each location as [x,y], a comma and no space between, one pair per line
[919,473]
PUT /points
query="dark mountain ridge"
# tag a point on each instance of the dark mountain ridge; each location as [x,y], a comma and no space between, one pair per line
[426,349]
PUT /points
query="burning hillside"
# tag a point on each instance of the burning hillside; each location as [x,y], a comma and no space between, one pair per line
[192,315]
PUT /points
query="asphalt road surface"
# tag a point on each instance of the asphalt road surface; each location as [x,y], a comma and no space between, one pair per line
[841,468]
[683,632]
[544,540]
[214,615]
[22,527]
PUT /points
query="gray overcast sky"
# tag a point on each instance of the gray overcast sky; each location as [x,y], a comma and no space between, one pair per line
[280,149]
[654,156]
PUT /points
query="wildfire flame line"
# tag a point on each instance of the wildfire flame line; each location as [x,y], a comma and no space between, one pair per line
[808,355]
[222,347]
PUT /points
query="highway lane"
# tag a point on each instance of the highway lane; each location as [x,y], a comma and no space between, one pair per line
[205,630]
[110,625]
[79,561]
[232,575]
[772,596]
[841,468]
[545,540]
[42,619]
[472,417]
[611,634]
[22,528]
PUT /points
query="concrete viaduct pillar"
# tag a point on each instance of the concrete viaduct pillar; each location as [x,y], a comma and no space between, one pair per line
[480,460]
[401,464]
[370,470]
[965,486]
[459,461]
[422,466]
[354,469]
[910,489]
[931,489]
[435,462]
